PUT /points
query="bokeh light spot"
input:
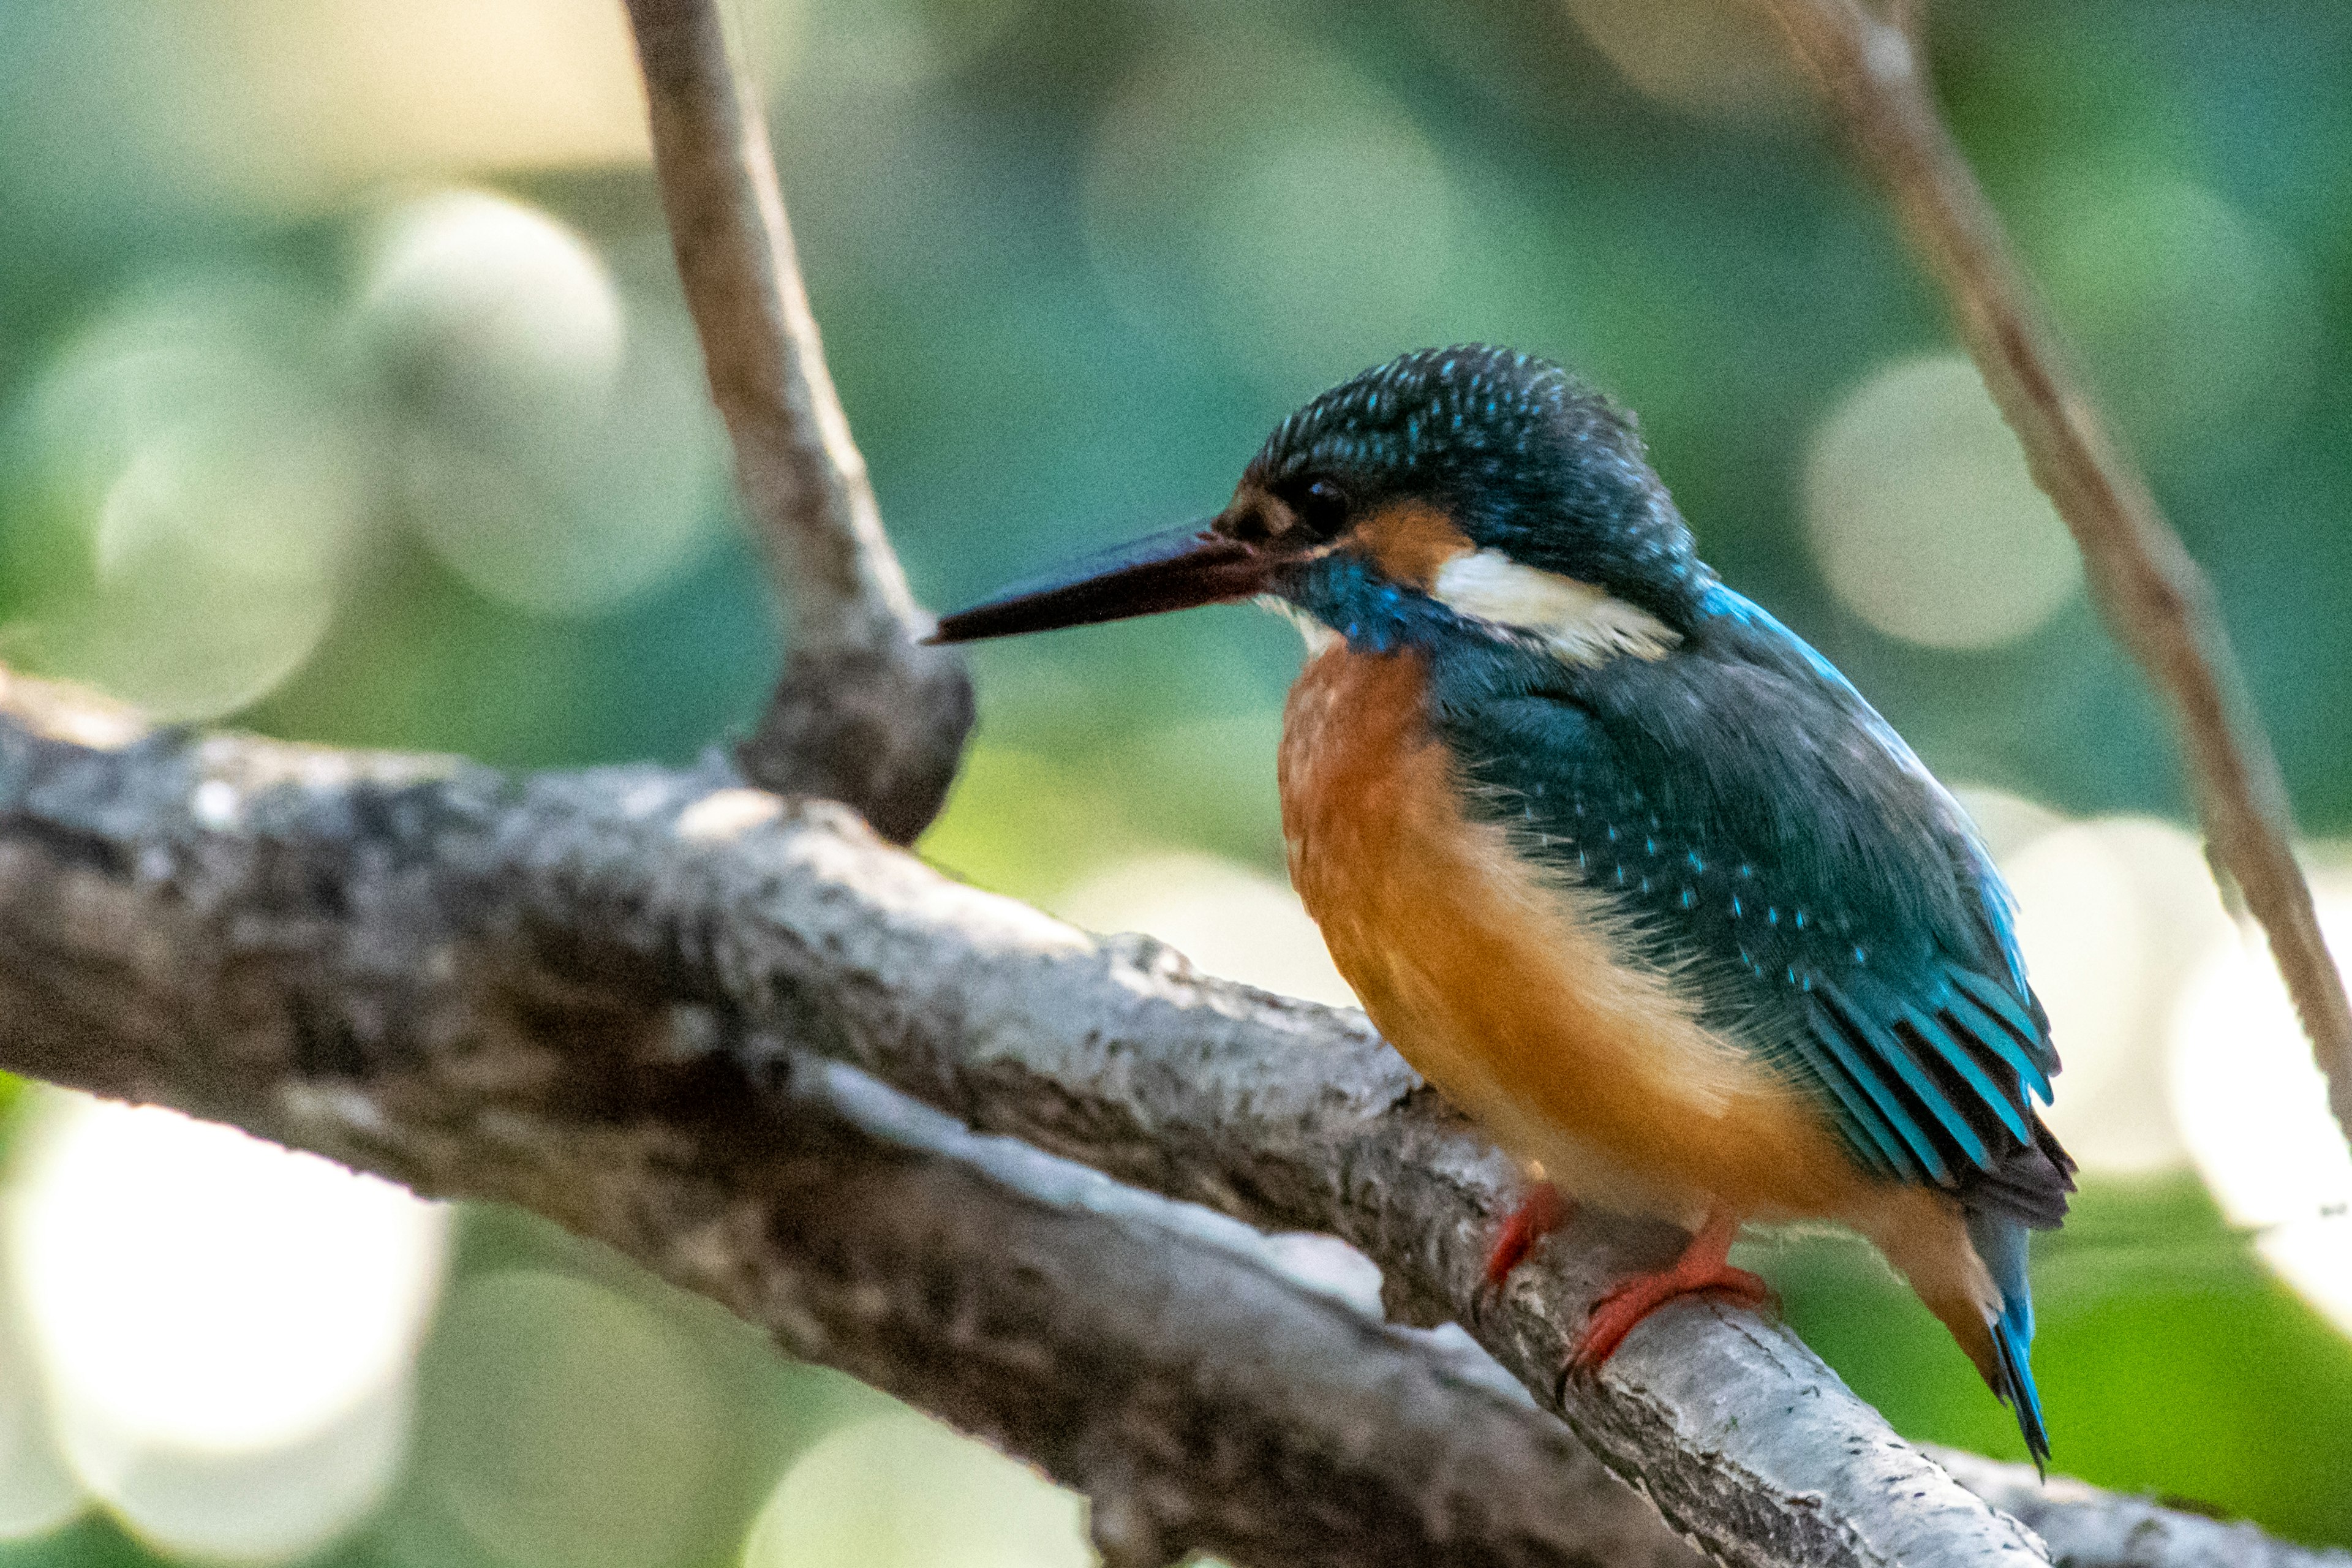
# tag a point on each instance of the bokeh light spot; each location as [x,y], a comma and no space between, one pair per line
[900,1491]
[1229,920]
[556,453]
[227,1327]
[2253,1107]
[209,492]
[37,1489]
[492,304]
[2006,822]
[2112,916]
[2198,325]
[567,1427]
[1922,517]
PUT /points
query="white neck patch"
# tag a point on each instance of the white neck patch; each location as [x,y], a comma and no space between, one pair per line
[1317,637]
[1583,623]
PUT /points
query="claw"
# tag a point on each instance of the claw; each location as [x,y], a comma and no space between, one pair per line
[1540,1213]
[1704,1267]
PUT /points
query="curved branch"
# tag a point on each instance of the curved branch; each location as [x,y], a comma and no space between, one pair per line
[588,994]
[315,947]
[1162,1361]
[2083,1525]
[863,713]
[181,918]
[1282,1113]
[2154,599]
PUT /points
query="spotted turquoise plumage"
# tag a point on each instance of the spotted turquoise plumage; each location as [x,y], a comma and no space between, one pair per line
[1768,838]
[1764,851]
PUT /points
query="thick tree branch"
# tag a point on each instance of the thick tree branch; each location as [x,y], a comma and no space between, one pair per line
[1160,1358]
[222,924]
[2154,598]
[324,950]
[2083,1525]
[863,713]
[588,994]
[1150,1356]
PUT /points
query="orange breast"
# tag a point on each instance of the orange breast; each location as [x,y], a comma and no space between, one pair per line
[1511,991]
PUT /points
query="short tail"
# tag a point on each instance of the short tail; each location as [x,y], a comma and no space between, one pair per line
[2000,1240]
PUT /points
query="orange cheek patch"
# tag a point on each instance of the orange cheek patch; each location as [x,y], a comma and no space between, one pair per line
[1411,539]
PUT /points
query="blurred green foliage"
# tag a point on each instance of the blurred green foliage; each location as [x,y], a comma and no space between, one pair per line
[2168,1359]
[1073,258]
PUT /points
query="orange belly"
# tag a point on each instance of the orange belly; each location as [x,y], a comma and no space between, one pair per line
[1510,991]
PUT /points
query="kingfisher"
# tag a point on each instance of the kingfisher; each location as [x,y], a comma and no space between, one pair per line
[1617,861]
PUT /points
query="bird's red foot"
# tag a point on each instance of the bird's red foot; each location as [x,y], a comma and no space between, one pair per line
[1540,1213]
[1703,1267]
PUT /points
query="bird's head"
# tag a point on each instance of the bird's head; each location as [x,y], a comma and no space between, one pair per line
[1464,484]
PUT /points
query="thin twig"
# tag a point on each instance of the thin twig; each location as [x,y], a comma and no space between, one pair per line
[863,713]
[2156,601]
[1908,18]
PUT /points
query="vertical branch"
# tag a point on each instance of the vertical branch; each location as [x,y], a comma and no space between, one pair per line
[2156,601]
[863,713]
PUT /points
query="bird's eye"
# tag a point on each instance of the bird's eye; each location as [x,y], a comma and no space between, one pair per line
[1321,508]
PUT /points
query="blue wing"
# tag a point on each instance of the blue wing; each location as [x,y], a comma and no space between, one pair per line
[1779,847]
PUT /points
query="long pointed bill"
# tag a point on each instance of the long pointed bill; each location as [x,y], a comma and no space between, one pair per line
[1171,571]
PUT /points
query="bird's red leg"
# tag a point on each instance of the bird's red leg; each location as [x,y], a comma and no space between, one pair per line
[1540,1213]
[1705,1265]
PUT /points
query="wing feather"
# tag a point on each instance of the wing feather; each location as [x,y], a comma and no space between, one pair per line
[2003,1105]
[1872,1029]
[2008,1029]
[1773,844]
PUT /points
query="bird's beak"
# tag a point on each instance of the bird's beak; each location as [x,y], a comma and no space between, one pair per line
[1172,570]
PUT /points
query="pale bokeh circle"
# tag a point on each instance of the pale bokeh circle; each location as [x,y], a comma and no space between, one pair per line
[2253,1107]
[228,1328]
[2198,324]
[2112,915]
[255,1507]
[557,453]
[1923,518]
[569,1426]
[38,1491]
[2005,821]
[217,489]
[494,303]
[902,1491]
[1228,918]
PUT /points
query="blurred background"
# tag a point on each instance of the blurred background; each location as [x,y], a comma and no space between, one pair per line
[345,394]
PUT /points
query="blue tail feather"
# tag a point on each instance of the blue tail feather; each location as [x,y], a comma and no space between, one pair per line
[2010,1339]
[2000,1239]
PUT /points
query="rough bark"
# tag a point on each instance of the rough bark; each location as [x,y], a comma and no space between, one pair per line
[2083,1526]
[610,997]
[572,989]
